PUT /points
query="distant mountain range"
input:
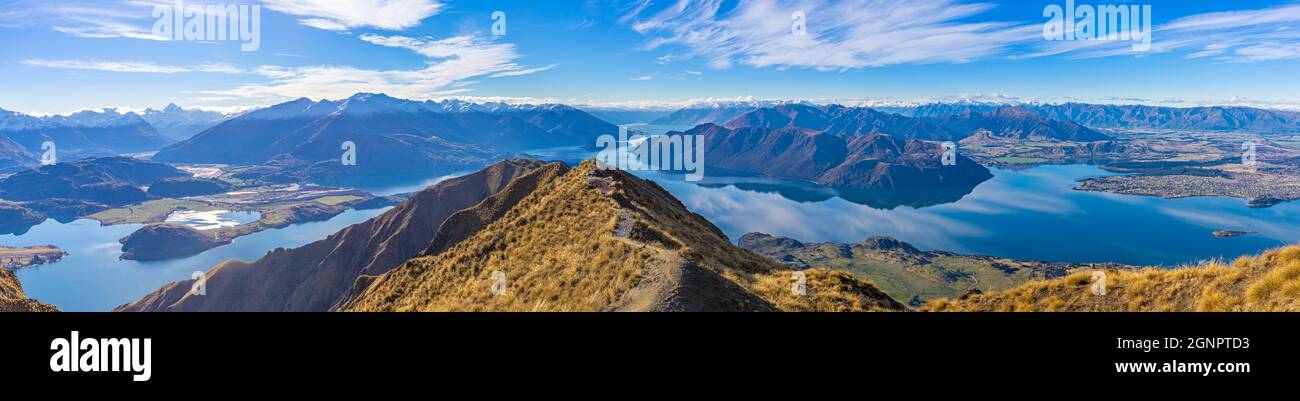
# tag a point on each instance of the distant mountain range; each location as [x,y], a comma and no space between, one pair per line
[392,136]
[1094,116]
[871,161]
[95,133]
[853,121]
[81,134]
[302,138]
[705,115]
[842,121]
[180,124]
[1103,116]
[1016,122]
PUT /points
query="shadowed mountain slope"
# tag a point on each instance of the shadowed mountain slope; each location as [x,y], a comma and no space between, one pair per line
[313,277]
[109,180]
[1018,123]
[842,121]
[14,157]
[863,161]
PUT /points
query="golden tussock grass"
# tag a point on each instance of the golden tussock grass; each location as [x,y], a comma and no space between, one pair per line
[581,242]
[1265,282]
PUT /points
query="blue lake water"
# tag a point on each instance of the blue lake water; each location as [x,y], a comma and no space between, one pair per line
[1026,214]
[91,278]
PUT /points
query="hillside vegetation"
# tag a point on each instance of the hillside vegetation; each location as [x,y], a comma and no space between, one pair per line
[13,299]
[588,239]
[1266,282]
[909,274]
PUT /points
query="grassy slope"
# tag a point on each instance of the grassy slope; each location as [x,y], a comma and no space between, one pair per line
[1266,282]
[912,276]
[13,299]
[592,240]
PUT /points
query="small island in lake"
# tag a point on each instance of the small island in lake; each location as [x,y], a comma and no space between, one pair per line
[167,241]
[17,258]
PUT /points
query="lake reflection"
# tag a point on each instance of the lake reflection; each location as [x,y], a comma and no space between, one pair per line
[1029,214]
[807,192]
[211,219]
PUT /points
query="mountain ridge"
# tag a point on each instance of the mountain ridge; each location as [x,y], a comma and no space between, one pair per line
[596,239]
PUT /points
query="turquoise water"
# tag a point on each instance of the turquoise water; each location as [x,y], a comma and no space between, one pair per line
[91,278]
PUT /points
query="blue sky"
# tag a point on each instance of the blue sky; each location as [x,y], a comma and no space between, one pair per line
[62,56]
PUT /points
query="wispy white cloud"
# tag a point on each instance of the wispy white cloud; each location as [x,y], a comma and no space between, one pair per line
[133,19]
[642,78]
[452,63]
[83,19]
[838,34]
[95,28]
[1241,36]
[336,15]
[874,33]
[132,66]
